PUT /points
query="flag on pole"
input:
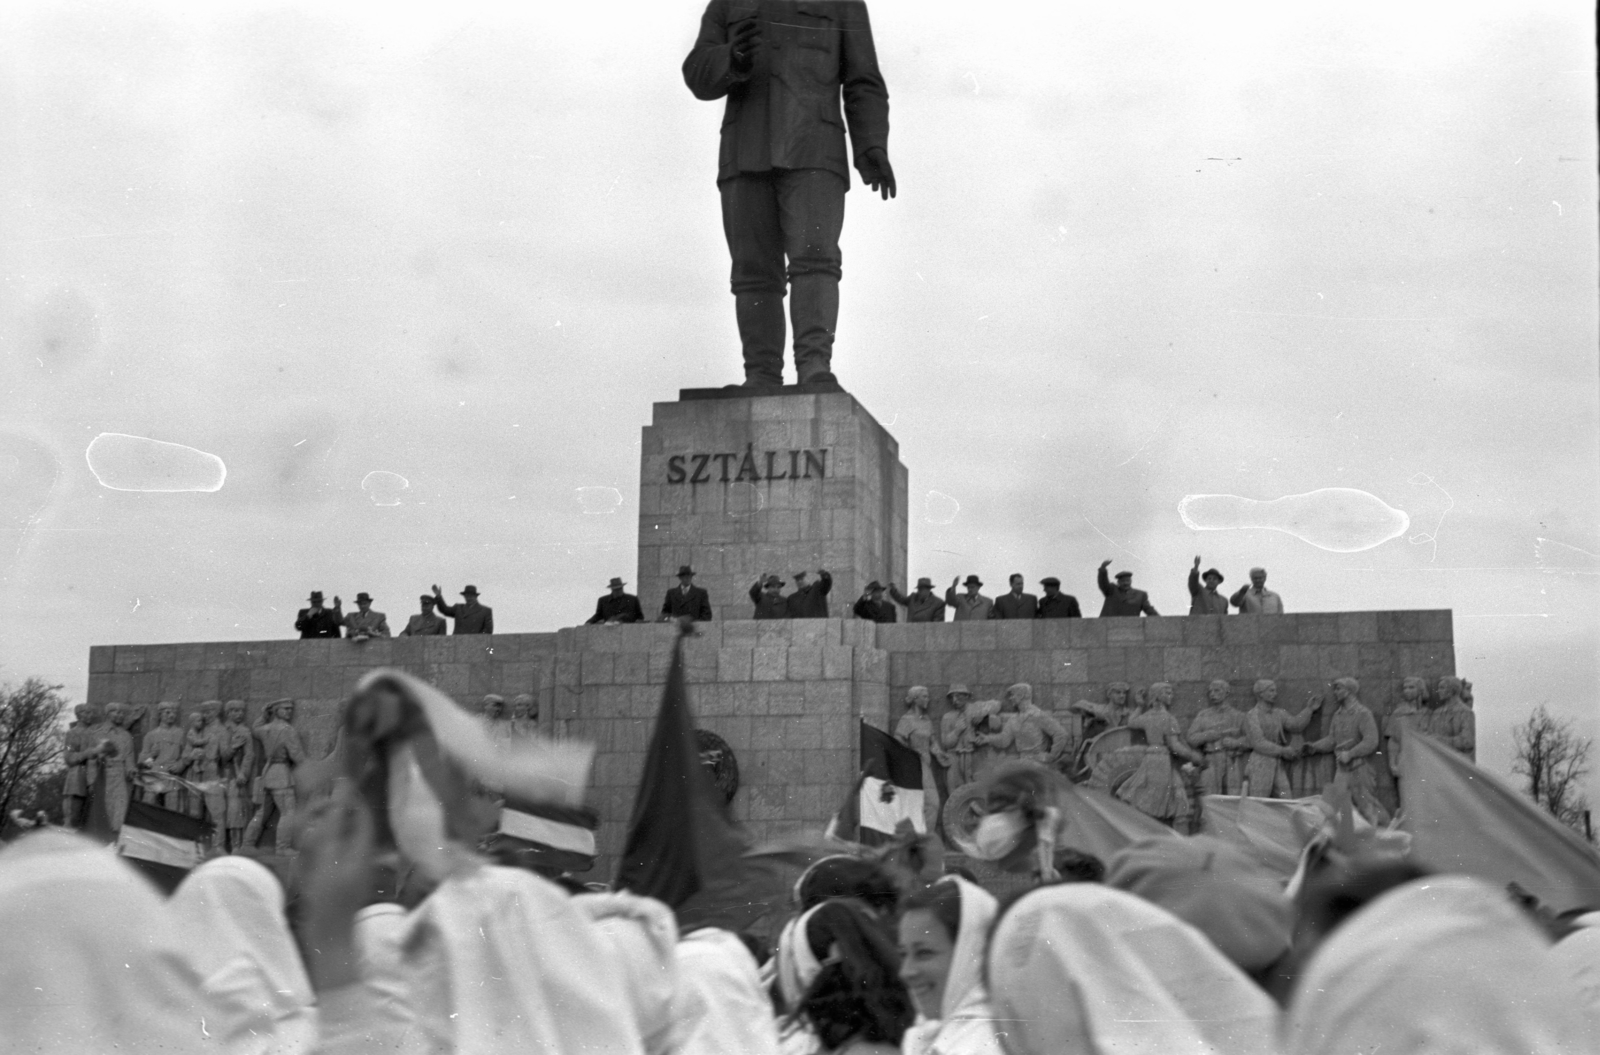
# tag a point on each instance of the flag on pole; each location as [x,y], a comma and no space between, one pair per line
[547,837]
[162,843]
[1465,819]
[888,792]
[682,847]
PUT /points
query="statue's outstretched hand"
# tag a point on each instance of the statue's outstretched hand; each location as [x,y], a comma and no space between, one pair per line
[877,172]
[743,43]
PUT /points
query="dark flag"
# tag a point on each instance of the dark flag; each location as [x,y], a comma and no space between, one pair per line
[887,794]
[682,848]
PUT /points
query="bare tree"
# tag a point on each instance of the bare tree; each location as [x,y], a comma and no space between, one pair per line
[31,737]
[1555,761]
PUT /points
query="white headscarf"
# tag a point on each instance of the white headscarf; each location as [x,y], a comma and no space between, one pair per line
[1441,964]
[797,964]
[1578,956]
[965,980]
[501,960]
[231,911]
[1079,967]
[643,935]
[92,960]
[720,1008]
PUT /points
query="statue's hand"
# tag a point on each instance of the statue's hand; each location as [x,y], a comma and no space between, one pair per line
[877,173]
[743,43]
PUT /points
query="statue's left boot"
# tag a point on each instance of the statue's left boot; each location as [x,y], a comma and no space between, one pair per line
[814,313]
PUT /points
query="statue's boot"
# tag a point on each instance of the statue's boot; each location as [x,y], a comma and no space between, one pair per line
[814,310]
[762,333]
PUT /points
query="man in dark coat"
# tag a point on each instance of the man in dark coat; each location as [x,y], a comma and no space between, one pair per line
[616,606]
[1016,604]
[782,169]
[1055,604]
[1123,599]
[769,599]
[1205,600]
[318,621]
[425,623]
[873,606]
[470,616]
[922,604]
[686,599]
[810,600]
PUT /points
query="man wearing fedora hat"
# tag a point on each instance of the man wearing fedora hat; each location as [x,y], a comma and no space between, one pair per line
[317,621]
[922,604]
[1122,599]
[364,623]
[1205,600]
[1055,604]
[810,599]
[686,599]
[470,616]
[873,606]
[425,623]
[969,605]
[767,595]
[616,606]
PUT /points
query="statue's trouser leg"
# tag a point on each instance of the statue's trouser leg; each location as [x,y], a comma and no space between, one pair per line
[285,800]
[252,831]
[811,210]
[217,808]
[116,799]
[72,811]
[755,242]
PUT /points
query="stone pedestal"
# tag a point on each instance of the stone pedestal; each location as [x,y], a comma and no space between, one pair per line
[738,486]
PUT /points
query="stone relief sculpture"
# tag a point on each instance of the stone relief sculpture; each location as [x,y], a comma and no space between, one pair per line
[1026,731]
[236,764]
[524,715]
[116,752]
[915,730]
[1409,713]
[1449,720]
[1352,738]
[161,756]
[83,763]
[1218,731]
[281,752]
[1157,786]
[1267,727]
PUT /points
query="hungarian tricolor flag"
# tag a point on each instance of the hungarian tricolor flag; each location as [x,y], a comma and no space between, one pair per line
[888,792]
[161,843]
[547,837]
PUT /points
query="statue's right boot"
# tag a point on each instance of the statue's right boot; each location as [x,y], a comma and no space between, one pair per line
[763,333]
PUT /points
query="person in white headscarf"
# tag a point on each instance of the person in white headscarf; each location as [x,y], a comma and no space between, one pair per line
[231,910]
[718,1006]
[1440,964]
[943,930]
[643,937]
[794,967]
[91,960]
[1081,968]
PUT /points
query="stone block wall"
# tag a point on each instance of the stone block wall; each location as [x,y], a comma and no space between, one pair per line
[786,694]
[847,515]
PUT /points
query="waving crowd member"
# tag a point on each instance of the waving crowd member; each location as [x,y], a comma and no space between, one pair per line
[232,911]
[943,929]
[718,1006]
[1440,964]
[644,938]
[1082,968]
[92,959]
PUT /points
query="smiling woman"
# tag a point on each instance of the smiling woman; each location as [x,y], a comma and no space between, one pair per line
[943,928]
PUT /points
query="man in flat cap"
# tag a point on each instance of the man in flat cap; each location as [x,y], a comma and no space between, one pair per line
[810,599]
[364,623]
[686,599]
[874,606]
[1205,600]
[969,605]
[767,595]
[317,621]
[425,623]
[470,616]
[782,171]
[616,606]
[922,604]
[1256,599]
[1123,599]
[1015,604]
[1055,604]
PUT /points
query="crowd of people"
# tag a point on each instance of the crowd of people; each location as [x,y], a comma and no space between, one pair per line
[1170,945]
[964,599]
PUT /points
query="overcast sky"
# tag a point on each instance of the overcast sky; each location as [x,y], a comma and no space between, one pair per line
[1230,248]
